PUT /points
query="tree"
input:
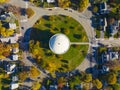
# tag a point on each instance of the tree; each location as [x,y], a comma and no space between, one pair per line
[111,20]
[29,12]
[87,78]
[111,78]
[64,3]
[14,9]
[95,9]
[3,1]
[36,86]
[61,82]
[116,86]
[6,54]
[97,83]
[83,4]
[22,75]
[66,31]
[34,72]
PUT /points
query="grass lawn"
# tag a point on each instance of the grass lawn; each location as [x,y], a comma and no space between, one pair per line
[98,33]
[47,26]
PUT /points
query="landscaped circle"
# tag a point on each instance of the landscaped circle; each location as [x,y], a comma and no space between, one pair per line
[59,43]
[46,29]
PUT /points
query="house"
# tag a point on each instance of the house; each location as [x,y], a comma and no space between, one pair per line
[53,87]
[103,8]
[15,50]
[14,57]
[113,28]
[9,39]
[50,1]
[10,68]
[14,78]
[12,25]
[103,69]
[14,86]
[109,56]
[43,88]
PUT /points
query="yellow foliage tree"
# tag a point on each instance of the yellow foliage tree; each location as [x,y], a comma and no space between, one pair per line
[87,77]
[52,66]
[64,3]
[97,83]
[36,86]
[83,4]
[34,72]
[111,78]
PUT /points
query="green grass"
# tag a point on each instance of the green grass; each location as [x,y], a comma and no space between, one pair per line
[47,26]
[98,33]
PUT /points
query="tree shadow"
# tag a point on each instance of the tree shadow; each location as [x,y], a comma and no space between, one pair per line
[23,11]
[41,35]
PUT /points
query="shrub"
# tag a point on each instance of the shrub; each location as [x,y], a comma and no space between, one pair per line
[29,12]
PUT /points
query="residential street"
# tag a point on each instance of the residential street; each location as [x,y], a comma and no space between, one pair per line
[83,18]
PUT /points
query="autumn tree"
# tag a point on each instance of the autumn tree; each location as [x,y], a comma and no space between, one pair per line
[3,1]
[36,85]
[6,32]
[61,82]
[87,78]
[83,4]
[29,12]
[22,76]
[64,3]
[95,9]
[111,78]
[14,9]
[97,83]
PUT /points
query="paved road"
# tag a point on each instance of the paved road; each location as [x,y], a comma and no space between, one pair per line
[79,43]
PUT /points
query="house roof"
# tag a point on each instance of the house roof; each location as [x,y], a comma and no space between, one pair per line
[50,1]
[53,87]
[14,86]
[12,25]
[15,57]
[10,68]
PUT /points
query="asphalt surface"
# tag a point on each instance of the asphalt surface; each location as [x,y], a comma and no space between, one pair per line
[83,18]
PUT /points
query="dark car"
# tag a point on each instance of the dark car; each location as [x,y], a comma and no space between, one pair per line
[22,28]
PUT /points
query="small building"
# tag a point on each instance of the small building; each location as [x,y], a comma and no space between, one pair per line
[12,25]
[103,69]
[103,8]
[9,39]
[15,57]
[14,86]
[53,87]
[50,1]
[10,68]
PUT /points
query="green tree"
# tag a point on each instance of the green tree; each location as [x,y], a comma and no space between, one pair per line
[111,78]
[116,86]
